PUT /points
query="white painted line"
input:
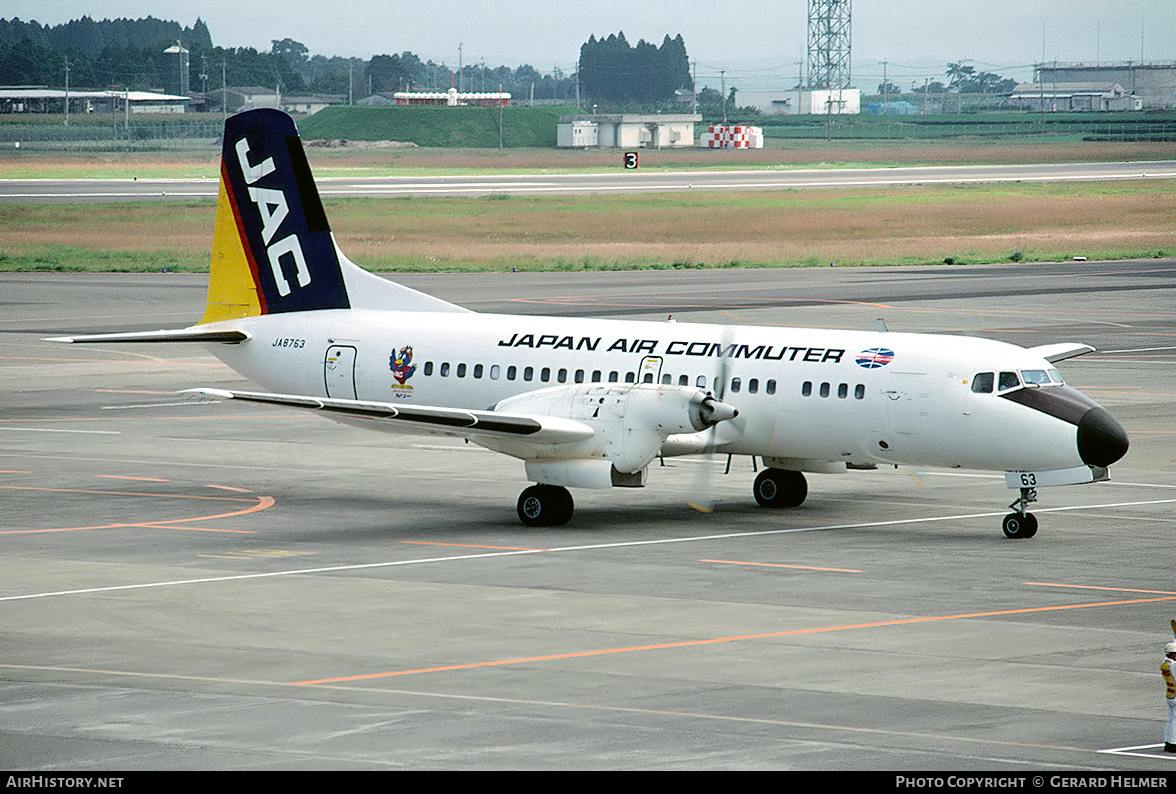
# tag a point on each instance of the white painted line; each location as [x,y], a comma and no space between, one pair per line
[48,430]
[186,403]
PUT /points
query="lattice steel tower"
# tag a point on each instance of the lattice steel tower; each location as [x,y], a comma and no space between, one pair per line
[828,43]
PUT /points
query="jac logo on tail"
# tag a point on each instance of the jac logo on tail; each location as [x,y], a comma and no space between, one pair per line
[273,209]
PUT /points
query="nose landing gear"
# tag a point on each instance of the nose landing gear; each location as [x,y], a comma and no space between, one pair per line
[1021,524]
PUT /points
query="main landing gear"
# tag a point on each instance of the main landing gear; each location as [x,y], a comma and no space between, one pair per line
[780,488]
[545,506]
[1021,524]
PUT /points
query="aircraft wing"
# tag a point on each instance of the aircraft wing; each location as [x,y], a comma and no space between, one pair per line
[196,334]
[1061,351]
[446,421]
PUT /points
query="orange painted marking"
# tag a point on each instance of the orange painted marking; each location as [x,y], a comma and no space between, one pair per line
[470,545]
[260,503]
[229,488]
[13,471]
[1094,587]
[717,640]
[781,565]
[121,477]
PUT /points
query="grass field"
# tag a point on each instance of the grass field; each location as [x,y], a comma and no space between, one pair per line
[920,225]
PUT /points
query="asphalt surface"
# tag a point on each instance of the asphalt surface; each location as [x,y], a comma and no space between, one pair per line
[194,585]
[92,190]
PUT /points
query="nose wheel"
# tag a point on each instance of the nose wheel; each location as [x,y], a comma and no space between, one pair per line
[1021,523]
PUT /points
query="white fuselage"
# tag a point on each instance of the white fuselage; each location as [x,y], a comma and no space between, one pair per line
[805,400]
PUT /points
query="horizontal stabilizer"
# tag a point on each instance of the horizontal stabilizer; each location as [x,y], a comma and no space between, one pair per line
[1061,351]
[177,335]
[447,421]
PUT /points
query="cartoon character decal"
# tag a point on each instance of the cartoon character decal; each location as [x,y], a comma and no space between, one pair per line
[402,367]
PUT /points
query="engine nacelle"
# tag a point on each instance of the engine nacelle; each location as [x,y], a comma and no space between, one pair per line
[630,422]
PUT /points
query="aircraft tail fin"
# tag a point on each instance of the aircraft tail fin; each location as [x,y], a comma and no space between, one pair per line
[273,250]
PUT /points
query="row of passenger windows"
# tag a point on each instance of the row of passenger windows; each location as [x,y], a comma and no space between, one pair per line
[737,386]
[545,375]
[826,390]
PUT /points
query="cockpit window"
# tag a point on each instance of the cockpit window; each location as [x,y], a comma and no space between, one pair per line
[1056,377]
[1035,377]
[1008,380]
[982,382]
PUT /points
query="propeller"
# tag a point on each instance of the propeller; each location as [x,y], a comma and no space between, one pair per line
[704,501]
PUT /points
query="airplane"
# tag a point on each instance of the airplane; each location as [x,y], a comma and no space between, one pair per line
[591,403]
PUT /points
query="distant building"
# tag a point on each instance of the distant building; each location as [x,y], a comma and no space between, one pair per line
[802,101]
[1154,84]
[52,100]
[626,131]
[1073,96]
[452,98]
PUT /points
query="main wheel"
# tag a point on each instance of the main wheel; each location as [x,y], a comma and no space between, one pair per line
[1018,526]
[780,488]
[545,506]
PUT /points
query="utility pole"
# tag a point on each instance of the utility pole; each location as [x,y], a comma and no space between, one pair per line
[460,87]
[885,87]
[67,92]
[723,83]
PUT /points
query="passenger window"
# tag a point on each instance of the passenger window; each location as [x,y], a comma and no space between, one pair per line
[579,376]
[982,382]
[428,367]
[477,370]
[596,376]
[528,373]
[700,382]
[545,374]
[824,389]
[753,386]
[461,368]
[736,385]
[666,379]
[1008,380]
[630,377]
[683,380]
[562,376]
[770,387]
[859,391]
[806,389]
[613,377]
[495,371]
[842,391]
[445,369]
[511,372]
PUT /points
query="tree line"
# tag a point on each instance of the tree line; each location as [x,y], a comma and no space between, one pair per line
[129,54]
[613,71]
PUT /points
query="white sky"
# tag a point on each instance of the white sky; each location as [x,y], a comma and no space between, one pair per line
[757,42]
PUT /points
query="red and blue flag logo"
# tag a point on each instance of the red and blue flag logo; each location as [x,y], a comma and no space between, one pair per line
[875,358]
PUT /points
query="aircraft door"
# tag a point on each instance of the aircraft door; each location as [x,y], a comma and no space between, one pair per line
[907,402]
[339,371]
[650,370]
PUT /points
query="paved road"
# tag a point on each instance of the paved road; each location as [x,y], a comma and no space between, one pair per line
[84,190]
[214,586]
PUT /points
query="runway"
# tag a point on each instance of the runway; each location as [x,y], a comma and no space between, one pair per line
[649,181]
[202,585]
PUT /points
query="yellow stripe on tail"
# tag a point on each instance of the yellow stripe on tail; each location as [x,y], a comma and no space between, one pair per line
[232,286]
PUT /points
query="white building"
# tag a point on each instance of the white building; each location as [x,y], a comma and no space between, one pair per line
[802,101]
[627,131]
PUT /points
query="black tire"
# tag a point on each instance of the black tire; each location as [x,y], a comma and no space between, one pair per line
[1017,526]
[545,506]
[780,488]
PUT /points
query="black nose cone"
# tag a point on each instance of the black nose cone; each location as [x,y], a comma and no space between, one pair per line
[1101,439]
